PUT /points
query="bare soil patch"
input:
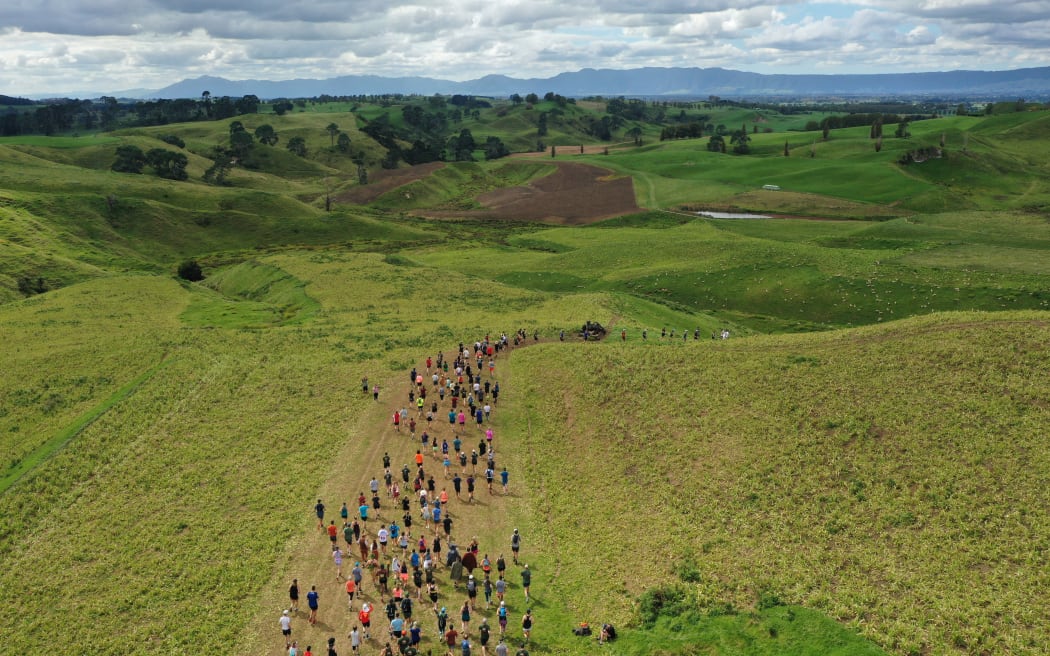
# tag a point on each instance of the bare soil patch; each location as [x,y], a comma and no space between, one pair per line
[575,194]
[385,180]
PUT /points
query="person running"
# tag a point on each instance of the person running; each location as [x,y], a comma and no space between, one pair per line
[501,648]
[472,592]
[364,616]
[351,588]
[319,511]
[515,545]
[293,595]
[504,477]
[358,575]
[464,615]
[337,559]
[526,580]
[311,601]
[285,622]
[442,619]
[333,532]
[501,615]
[375,392]
[526,624]
[355,640]
[501,587]
[483,636]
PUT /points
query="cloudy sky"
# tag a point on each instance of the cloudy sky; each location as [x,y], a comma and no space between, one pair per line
[61,46]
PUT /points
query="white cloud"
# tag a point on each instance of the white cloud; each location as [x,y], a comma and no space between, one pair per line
[108,45]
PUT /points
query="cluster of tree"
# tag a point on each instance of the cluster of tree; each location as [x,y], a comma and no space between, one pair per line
[857,120]
[49,119]
[426,128]
[740,140]
[29,286]
[66,115]
[165,163]
[920,155]
[11,101]
[684,131]
[469,102]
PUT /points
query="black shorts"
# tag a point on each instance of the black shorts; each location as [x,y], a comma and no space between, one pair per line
[286,632]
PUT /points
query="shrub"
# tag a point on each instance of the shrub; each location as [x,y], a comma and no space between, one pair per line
[190,270]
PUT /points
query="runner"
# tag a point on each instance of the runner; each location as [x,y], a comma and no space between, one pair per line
[311,601]
[501,615]
[526,624]
[286,628]
[365,617]
[526,580]
[337,558]
[293,595]
[351,588]
[515,545]
[319,510]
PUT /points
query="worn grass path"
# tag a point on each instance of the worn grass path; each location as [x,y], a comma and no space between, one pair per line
[308,557]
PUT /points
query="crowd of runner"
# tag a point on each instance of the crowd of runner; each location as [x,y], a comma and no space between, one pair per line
[409,578]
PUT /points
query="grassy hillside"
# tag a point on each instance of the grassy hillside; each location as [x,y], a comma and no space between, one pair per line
[857,490]
[889,476]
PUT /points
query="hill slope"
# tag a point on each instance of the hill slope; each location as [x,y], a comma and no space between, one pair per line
[893,477]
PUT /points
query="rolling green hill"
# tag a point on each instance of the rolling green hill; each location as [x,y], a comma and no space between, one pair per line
[873,486]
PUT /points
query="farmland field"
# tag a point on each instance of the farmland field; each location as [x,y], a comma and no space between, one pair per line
[858,469]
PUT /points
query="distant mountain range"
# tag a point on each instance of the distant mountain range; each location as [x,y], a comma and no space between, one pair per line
[1030,83]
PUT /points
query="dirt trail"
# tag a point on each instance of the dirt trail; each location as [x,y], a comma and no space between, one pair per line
[309,558]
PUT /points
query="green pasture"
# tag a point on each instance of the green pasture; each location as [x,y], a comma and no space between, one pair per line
[873,486]
[804,470]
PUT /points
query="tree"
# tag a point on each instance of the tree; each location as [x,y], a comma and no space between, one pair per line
[554,152]
[222,162]
[343,142]
[462,147]
[541,125]
[241,143]
[532,99]
[515,98]
[247,105]
[206,101]
[787,153]
[716,144]
[635,133]
[902,130]
[495,148]
[741,139]
[826,127]
[190,270]
[130,159]
[167,163]
[173,140]
[297,145]
[266,134]
[332,129]
[282,107]
[878,143]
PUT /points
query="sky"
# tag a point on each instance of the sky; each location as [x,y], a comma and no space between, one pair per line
[106,46]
